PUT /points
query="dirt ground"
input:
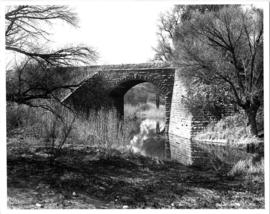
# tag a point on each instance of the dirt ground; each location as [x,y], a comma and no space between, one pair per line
[85,178]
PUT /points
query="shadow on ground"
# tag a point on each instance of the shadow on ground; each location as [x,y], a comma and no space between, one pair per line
[88,178]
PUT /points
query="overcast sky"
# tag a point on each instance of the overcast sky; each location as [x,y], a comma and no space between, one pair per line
[121,32]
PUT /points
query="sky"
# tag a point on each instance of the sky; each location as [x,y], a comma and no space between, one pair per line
[120,32]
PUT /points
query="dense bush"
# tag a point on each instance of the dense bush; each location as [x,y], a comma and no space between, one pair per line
[231,158]
[15,117]
[21,116]
[248,167]
[232,128]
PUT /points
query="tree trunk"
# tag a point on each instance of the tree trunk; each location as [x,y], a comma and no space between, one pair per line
[157,105]
[251,113]
[157,100]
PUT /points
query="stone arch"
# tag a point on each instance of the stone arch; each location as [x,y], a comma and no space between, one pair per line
[124,84]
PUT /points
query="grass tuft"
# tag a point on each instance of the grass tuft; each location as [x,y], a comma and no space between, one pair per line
[231,128]
[248,167]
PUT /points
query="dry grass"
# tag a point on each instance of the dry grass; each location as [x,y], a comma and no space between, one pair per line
[101,130]
[232,156]
[233,129]
[248,167]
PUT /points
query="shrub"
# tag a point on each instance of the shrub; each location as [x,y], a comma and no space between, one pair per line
[248,167]
[101,129]
[22,117]
[218,157]
[56,131]
[232,128]
[231,156]
[16,116]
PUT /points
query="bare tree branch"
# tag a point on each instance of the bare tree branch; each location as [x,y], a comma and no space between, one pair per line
[26,22]
[224,46]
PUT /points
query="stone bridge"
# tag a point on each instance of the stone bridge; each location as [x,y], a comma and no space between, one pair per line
[106,86]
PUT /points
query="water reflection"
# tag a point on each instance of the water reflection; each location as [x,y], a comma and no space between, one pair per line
[204,153]
[180,149]
[150,142]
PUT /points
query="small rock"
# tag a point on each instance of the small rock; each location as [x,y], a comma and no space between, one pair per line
[125,206]
[74,194]
[102,188]
[38,205]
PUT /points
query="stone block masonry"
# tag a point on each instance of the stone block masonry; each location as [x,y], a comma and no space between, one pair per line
[105,87]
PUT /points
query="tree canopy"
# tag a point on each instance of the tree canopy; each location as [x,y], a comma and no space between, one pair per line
[222,49]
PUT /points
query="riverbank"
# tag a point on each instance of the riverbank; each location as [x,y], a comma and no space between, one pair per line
[88,177]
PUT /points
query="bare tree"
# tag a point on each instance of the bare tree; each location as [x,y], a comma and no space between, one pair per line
[35,86]
[25,28]
[39,75]
[170,21]
[225,49]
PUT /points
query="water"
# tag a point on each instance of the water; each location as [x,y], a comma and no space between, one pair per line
[149,141]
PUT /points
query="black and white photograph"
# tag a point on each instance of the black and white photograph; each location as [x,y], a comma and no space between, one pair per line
[135,105]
